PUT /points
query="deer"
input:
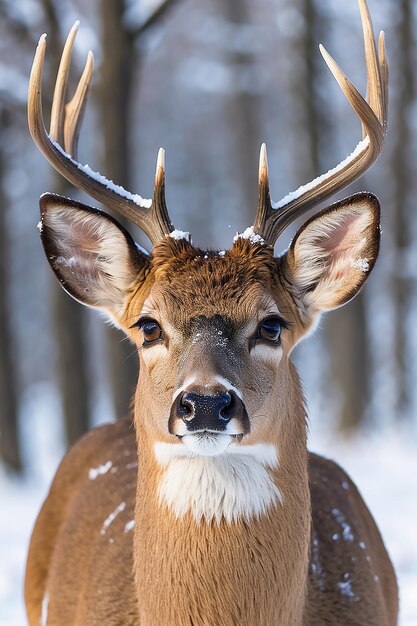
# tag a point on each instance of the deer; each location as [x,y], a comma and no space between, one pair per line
[205,508]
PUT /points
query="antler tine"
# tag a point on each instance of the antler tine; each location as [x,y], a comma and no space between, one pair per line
[60,146]
[272,218]
[56,129]
[159,192]
[74,109]
[383,62]
[264,199]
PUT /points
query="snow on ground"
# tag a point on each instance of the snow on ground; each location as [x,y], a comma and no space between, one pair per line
[384,467]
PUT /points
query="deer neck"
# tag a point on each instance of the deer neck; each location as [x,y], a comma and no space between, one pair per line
[250,569]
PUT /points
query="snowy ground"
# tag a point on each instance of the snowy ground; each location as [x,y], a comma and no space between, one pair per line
[384,468]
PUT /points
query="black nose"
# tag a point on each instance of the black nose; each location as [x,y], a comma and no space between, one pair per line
[207,412]
[212,412]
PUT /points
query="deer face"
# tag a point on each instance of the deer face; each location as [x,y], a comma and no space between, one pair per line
[213,331]
[201,337]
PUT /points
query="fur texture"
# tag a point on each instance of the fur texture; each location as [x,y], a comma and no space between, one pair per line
[231,486]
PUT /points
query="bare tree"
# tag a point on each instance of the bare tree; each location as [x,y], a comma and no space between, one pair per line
[345,330]
[243,105]
[68,317]
[121,59]
[401,284]
[9,437]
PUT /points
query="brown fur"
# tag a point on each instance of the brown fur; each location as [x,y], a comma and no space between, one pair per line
[284,568]
[91,581]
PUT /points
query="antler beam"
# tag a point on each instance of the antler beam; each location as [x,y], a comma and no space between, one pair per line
[60,146]
[272,218]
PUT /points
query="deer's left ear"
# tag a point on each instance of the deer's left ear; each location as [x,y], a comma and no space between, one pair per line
[333,253]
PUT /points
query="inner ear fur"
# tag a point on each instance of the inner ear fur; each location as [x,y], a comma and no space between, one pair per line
[93,256]
[334,252]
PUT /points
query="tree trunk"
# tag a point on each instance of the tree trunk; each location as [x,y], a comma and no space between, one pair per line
[114,100]
[345,330]
[402,285]
[9,438]
[68,315]
[242,109]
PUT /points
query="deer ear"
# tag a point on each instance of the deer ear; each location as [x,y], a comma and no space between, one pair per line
[94,258]
[333,253]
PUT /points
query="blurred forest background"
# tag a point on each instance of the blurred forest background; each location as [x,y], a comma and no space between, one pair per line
[208,80]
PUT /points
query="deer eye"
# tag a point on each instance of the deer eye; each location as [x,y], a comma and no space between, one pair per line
[151,331]
[270,330]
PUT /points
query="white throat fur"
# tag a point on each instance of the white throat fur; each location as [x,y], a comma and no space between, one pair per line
[234,485]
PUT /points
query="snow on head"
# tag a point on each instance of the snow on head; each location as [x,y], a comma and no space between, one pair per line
[249,234]
[180,234]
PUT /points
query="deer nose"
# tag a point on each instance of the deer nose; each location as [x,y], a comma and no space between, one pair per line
[205,411]
[199,412]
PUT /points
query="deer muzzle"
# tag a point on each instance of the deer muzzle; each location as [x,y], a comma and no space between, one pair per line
[215,411]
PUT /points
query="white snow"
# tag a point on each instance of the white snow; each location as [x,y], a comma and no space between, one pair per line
[66,262]
[345,587]
[294,195]
[250,234]
[145,252]
[361,264]
[100,470]
[180,234]
[144,203]
[346,529]
[110,519]
[44,613]
[130,525]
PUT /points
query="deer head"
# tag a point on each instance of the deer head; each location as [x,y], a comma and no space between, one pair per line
[214,330]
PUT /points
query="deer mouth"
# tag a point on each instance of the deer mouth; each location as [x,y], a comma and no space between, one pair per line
[209,442]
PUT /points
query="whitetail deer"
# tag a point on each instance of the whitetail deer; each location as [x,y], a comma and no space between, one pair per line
[210,511]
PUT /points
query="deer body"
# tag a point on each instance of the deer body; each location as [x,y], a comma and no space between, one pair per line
[208,510]
[207,563]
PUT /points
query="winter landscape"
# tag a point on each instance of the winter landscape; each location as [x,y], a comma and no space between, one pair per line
[208,80]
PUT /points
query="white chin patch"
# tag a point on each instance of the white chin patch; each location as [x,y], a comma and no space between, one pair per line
[214,478]
[206,444]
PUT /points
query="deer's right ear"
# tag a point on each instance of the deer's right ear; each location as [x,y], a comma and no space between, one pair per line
[94,258]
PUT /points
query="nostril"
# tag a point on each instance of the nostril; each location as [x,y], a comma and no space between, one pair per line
[226,406]
[186,407]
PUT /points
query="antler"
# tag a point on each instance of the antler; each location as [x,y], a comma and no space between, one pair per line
[60,146]
[272,218]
